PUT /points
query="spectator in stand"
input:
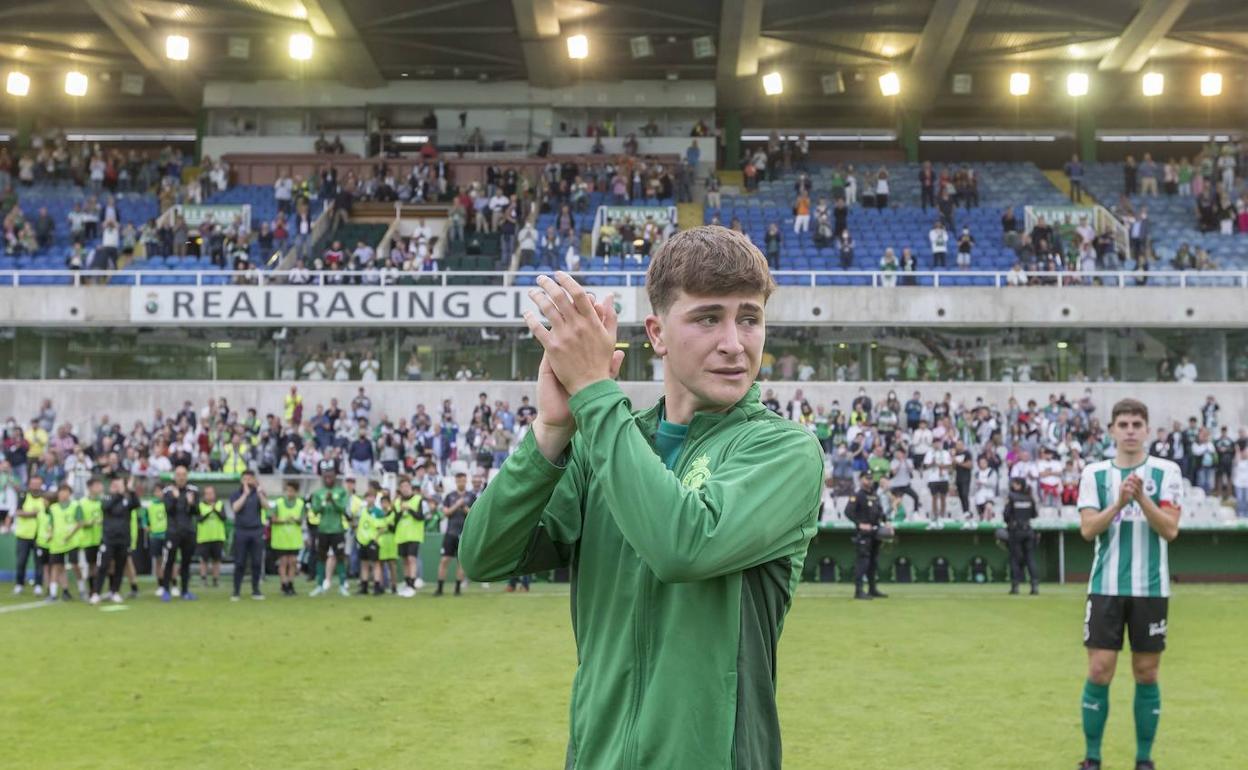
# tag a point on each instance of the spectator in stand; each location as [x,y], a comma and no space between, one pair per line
[966,243]
[1148,176]
[526,241]
[881,189]
[889,268]
[845,249]
[1130,177]
[938,237]
[801,214]
[927,189]
[1074,173]
[772,242]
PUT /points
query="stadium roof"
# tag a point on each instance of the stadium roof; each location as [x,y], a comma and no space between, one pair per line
[365,42]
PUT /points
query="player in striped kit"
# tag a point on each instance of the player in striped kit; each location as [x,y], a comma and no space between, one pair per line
[1129,506]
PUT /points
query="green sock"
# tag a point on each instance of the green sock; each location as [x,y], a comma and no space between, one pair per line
[1095,714]
[320,572]
[1147,715]
[340,570]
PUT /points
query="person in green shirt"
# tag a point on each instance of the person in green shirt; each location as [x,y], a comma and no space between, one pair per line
[286,535]
[387,548]
[409,533]
[330,505]
[90,518]
[684,526]
[63,526]
[367,528]
[154,521]
[25,525]
[210,535]
[878,465]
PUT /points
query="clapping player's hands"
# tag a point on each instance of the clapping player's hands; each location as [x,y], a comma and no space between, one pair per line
[579,350]
[1130,490]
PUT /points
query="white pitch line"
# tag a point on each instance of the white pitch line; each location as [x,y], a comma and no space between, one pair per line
[26,606]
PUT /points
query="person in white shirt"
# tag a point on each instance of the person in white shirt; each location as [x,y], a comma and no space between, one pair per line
[314,369]
[921,444]
[370,368]
[464,373]
[283,189]
[1026,470]
[984,490]
[342,367]
[938,237]
[938,470]
[1185,372]
[851,187]
[1049,474]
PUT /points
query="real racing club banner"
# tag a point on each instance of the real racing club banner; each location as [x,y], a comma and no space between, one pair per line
[346,305]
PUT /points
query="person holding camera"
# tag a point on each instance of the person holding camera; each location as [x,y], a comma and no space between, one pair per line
[865,511]
[250,505]
[1020,509]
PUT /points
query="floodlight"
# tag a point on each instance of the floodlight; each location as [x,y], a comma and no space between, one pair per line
[1077,84]
[578,47]
[773,84]
[177,47]
[890,84]
[18,84]
[75,84]
[1020,84]
[300,47]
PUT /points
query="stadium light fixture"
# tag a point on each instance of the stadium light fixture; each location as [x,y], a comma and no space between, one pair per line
[890,84]
[1153,83]
[1077,84]
[300,46]
[1020,84]
[578,47]
[177,47]
[773,84]
[17,84]
[1211,84]
[75,83]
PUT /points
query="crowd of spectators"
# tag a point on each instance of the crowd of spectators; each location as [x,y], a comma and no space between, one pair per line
[963,451]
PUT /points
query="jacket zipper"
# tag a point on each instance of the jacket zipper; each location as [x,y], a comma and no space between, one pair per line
[639,648]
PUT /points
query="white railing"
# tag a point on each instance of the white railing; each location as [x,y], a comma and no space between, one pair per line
[1184,279]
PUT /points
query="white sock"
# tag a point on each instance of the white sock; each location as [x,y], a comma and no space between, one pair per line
[56,588]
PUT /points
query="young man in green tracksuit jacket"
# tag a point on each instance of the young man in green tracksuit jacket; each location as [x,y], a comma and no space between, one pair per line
[685,525]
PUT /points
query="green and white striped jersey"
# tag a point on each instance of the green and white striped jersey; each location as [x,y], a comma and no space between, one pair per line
[1131,559]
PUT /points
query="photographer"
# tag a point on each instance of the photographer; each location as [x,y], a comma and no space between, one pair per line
[250,505]
[865,511]
[1020,509]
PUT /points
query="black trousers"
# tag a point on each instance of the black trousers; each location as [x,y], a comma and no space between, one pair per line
[866,564]
[909,492]
[1023,555]
[927,197]
[963,484]
[182,545]
[26,550]
[114,554]
[248,552]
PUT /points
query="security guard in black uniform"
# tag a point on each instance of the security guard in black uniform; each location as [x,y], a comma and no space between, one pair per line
[1020,509]
[867,513]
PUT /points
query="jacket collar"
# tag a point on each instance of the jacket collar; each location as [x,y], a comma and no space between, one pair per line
[748,406]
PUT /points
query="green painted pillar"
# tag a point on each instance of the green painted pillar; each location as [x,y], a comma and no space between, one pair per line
[1085,134]
[201,124]
[908,126]
[731,136]
[25,129]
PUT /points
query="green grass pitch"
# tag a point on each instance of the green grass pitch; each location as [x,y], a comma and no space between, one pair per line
[935,677]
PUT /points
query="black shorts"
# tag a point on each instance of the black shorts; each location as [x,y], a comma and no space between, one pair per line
[58,558]
[326,542]
[938,487]
[211,551]
[92,551]
[285,551]
[409,549]
[450,545]
[1144,619]
[41,555]
[370,552]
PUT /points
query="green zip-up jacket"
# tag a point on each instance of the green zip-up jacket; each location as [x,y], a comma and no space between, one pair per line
[680,578]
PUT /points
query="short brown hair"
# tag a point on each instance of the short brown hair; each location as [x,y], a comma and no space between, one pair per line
[705,261]
[1128,406]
